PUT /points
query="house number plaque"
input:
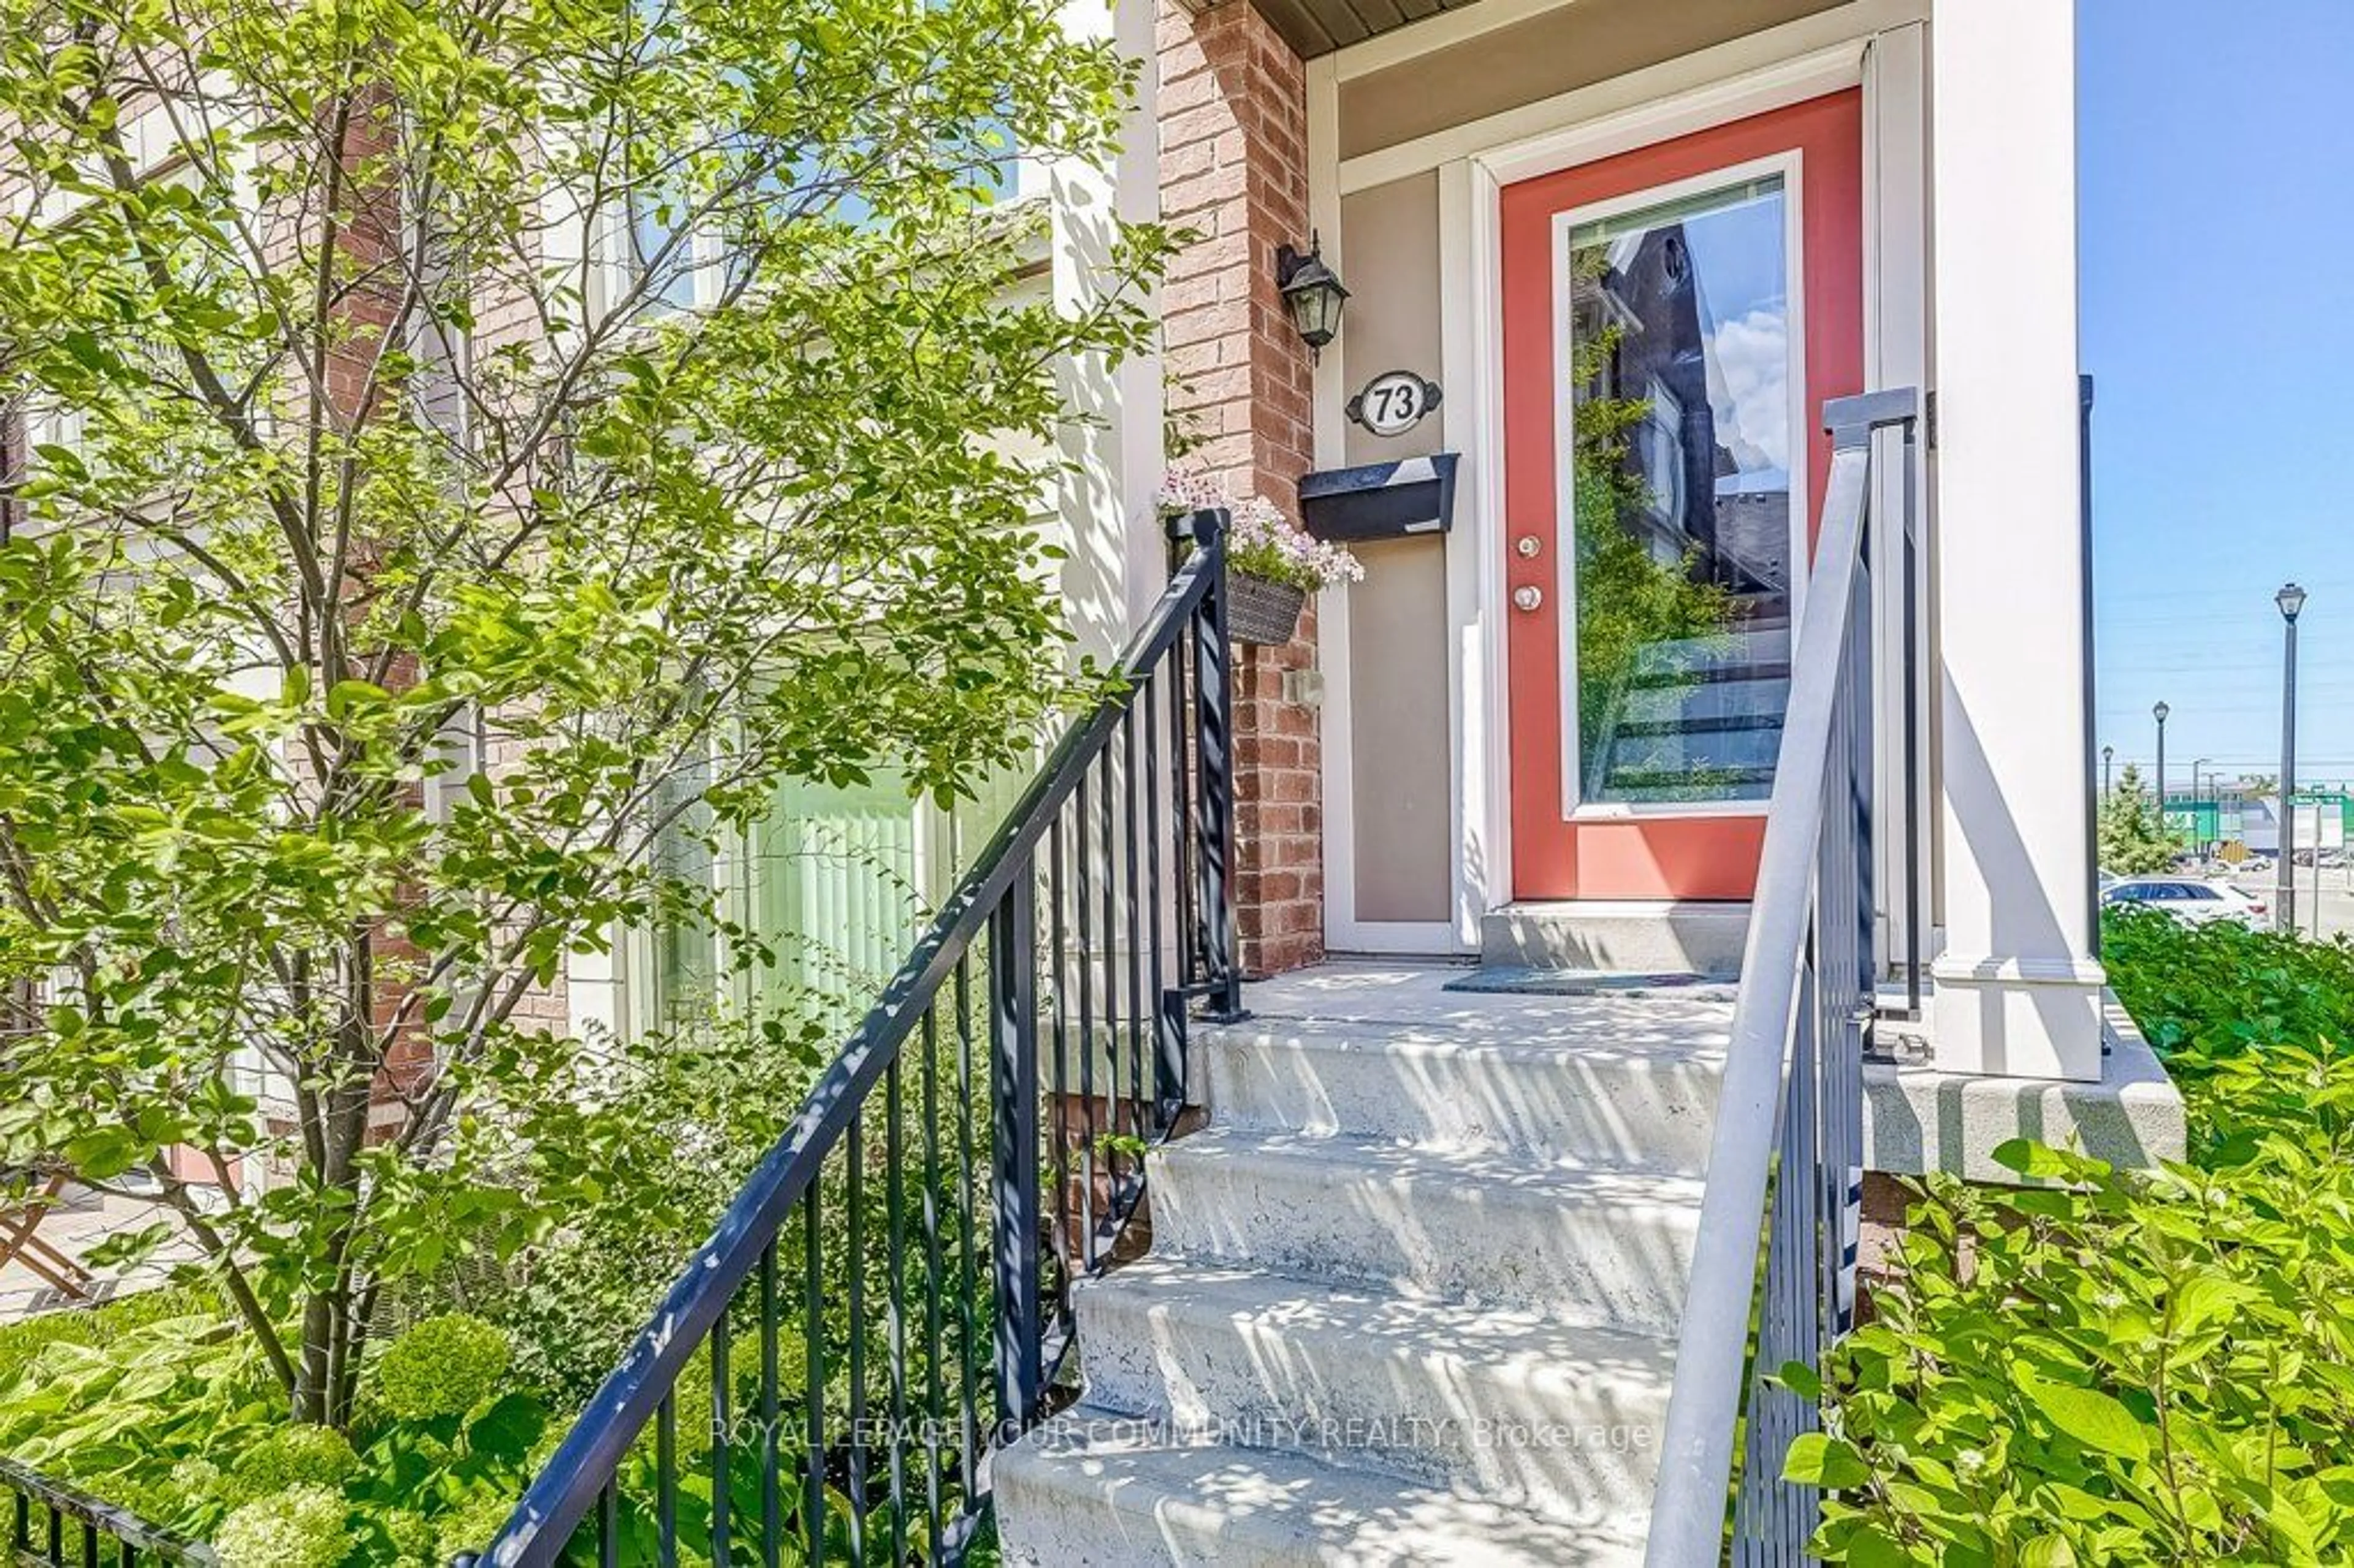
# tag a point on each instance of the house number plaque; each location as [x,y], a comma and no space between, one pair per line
[1394,402]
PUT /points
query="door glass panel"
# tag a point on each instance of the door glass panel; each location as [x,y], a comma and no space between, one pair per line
[1681,359]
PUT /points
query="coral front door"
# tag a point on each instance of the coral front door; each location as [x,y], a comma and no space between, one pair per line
[1674,319]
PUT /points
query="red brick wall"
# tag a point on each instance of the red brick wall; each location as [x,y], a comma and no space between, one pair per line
[1234,173]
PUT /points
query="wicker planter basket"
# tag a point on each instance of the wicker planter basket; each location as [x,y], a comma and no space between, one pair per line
[1261,611]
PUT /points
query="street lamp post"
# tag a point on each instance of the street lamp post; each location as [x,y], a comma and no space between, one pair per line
[2291,602]
[2108,757]
[2159,713]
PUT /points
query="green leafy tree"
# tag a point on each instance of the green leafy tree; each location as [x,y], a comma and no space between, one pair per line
[2132,843]
[2132,838]
[473,441]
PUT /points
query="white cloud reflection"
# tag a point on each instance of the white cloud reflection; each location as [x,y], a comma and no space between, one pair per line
[1749,388]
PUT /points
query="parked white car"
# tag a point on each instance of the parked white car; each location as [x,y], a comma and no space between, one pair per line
[2188,899]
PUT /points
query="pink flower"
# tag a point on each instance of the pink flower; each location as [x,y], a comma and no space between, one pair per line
[1262,543]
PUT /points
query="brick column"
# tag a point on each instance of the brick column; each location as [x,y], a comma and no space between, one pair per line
[1234,173]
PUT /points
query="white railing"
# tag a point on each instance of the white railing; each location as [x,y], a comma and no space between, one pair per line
[1785,1172]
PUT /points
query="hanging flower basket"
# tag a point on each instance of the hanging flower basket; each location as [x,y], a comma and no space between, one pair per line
[1261,611]
[1271,567]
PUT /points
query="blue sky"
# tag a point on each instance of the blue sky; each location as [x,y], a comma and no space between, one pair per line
[2218,319]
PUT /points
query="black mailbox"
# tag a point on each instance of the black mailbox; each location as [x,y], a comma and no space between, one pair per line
[1381,500]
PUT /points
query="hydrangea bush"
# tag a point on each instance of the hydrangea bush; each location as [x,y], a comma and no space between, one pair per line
[1261,542]
[294,1457]
[177,1421]
[443,1366]
[301,1527]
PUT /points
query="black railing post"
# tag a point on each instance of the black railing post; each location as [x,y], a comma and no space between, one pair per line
[1168,1059]
[1916,881]
[1214,735]
[1013,1035]
[1843,1104]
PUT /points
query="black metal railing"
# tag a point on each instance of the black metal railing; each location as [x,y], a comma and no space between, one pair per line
[1772,1279]
[888,1298]
[51,1525]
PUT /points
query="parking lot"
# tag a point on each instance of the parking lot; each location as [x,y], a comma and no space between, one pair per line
[2331,914]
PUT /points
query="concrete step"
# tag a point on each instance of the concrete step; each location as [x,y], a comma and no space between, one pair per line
[1510,1405]
[1094,1489]
[1605,1086]
[1595,1245]
[1617,936]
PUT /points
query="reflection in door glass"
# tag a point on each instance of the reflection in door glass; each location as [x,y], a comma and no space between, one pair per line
[1680,361]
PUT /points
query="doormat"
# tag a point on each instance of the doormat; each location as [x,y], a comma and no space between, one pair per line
[1516,979]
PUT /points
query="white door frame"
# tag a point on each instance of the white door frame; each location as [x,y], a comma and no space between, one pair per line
[1885,53]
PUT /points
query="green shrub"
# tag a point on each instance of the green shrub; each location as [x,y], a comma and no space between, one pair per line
[99,1325]
[411,1539]
[305,1527]
[2204,994]
[118,1419]
[455,1413]
[651,1149]
[179,1422]
[297,1456]
[443,1366]
[470,1528]
[2128,1368]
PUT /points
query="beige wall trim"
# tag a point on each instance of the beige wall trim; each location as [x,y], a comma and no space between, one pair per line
[1471,274]
[1697,76]
[1343,930]
[1896,354]
[1442,30]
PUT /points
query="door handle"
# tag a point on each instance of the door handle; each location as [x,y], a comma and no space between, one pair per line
[1527,596]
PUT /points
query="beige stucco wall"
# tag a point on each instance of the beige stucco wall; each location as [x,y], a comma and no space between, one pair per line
[1398,734]
[1397,616]
[1390,245]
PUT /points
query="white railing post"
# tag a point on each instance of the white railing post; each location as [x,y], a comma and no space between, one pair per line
[1787,1144]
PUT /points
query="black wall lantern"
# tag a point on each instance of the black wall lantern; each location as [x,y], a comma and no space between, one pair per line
[1311,293]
